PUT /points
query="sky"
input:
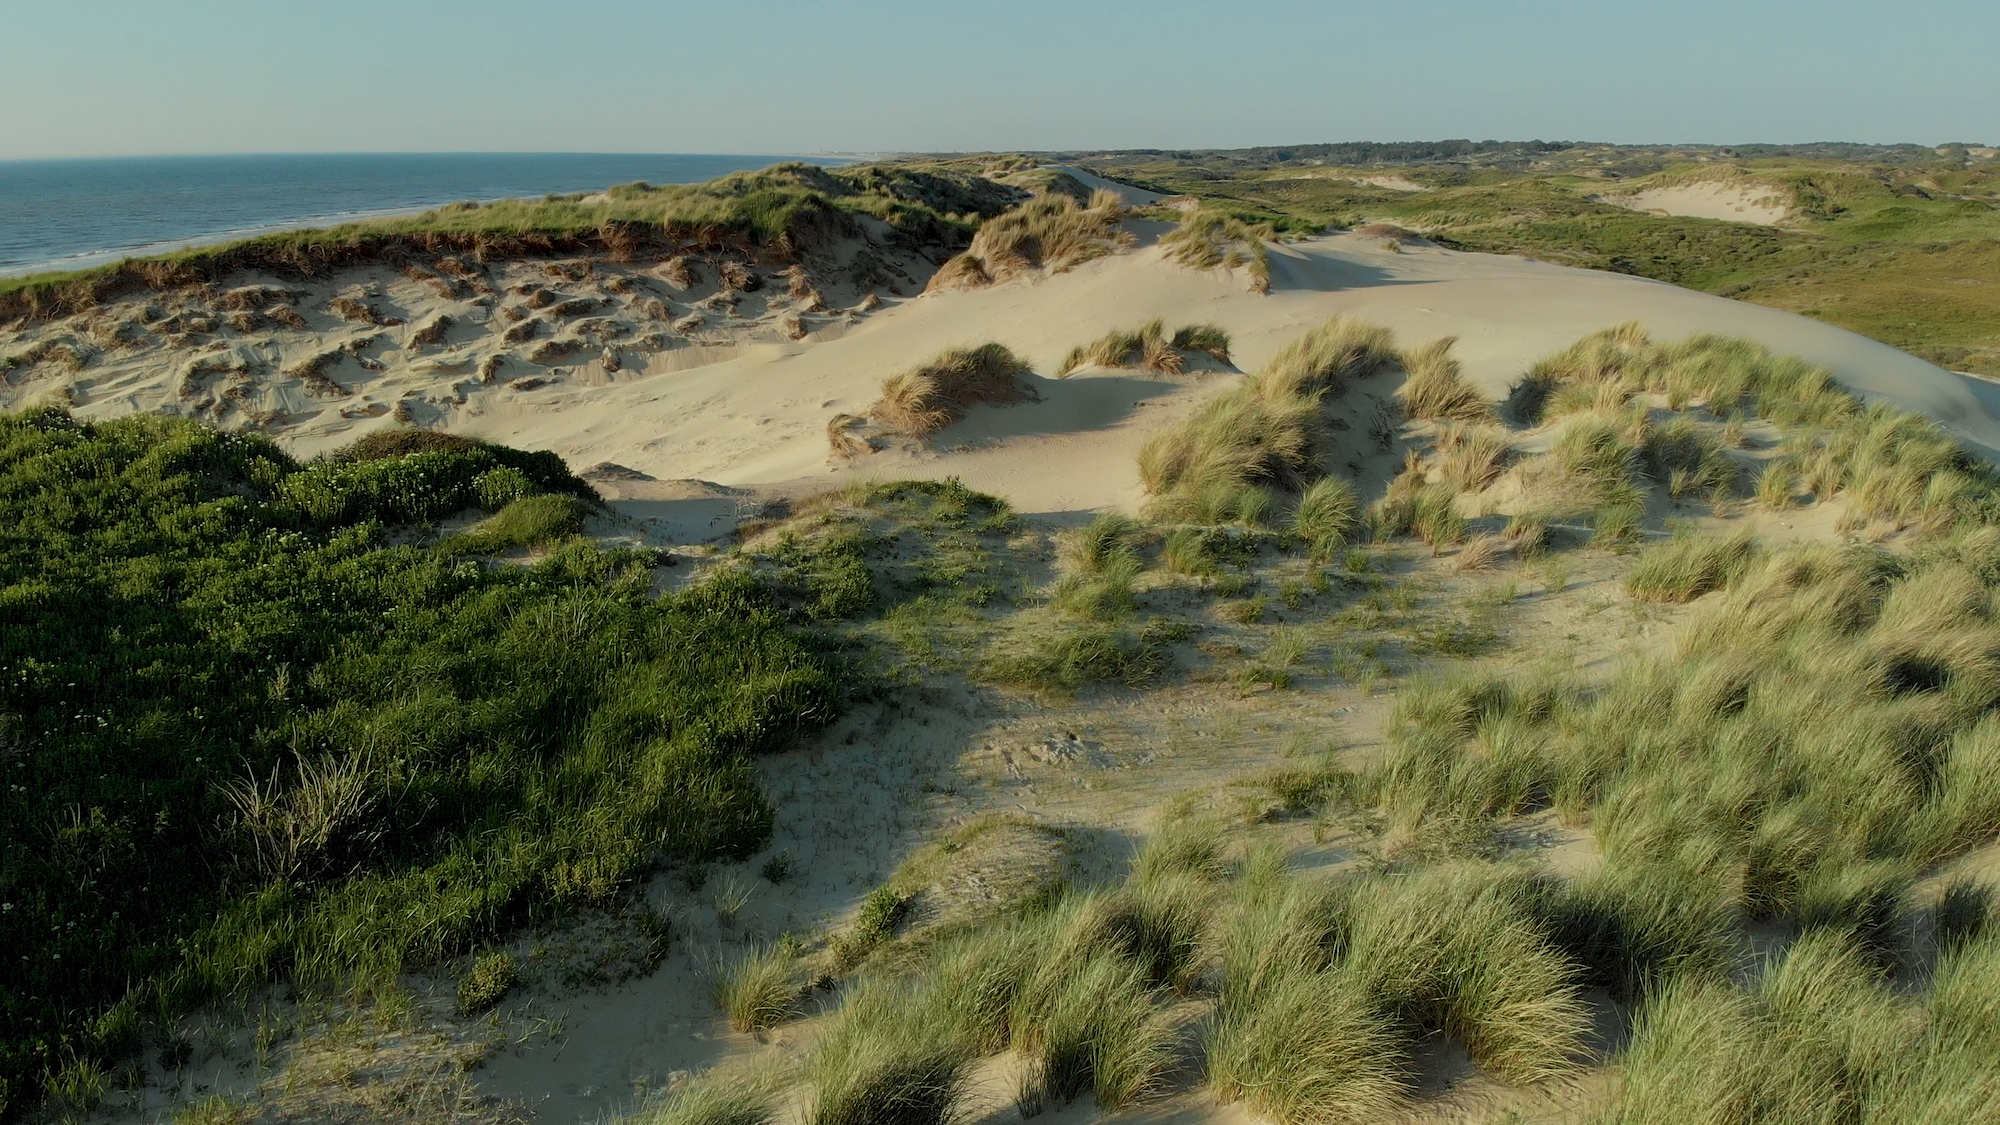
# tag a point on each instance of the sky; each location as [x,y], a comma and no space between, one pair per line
[116,77]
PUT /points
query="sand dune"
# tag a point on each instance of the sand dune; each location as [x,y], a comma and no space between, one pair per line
[1734,202]
[749,408]
[759,420]
[1137,197]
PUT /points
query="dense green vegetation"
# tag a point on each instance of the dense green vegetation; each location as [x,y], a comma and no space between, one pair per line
[1900,243]
[245,738]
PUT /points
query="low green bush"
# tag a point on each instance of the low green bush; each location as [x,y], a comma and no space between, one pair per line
[491,978]
[269,745]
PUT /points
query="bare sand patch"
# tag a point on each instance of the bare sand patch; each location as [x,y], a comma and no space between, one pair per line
[1731,201]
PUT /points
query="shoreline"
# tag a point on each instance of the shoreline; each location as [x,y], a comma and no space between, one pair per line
[98,257]
[92,259]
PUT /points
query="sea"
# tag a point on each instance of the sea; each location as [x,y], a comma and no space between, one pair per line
[73,214]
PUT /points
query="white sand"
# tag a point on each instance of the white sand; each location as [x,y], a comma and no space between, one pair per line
[753,415]
[1392,183]
[759,420]
[1733,201]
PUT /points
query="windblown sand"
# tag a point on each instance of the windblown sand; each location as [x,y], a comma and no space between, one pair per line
[1730,201]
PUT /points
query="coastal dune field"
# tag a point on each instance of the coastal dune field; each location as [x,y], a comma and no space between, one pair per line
[976,643]
[730,399]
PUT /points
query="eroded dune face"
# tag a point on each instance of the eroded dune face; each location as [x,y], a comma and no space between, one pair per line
[731,398]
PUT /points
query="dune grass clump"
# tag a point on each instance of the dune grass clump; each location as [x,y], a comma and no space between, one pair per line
[1689,565]
[1148,347]
[1889,465]
[1471,457]
[1325,516]
[927,398]
[1819,1036]
[1075,654]
[1098,566]
[1208,238]
[760,989]
[888,1056]
[1416,505]
[715,1097]
[1261,434]
[1437,389]
[1049,232]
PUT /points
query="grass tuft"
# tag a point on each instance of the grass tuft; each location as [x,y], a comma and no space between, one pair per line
[935,394]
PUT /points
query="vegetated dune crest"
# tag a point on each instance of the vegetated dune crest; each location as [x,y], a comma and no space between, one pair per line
[755,414]
[1735,201]
[1133,196]
[760,419]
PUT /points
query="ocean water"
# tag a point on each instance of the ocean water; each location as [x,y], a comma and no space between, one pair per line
[70,214]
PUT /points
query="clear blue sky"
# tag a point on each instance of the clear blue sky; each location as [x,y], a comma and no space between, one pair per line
[104,77]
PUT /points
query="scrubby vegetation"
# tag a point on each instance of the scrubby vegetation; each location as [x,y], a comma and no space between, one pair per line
[1149,347]
[247,739]
[1217,465]
[781,211]
[1051,232]
[933,395]
[1813,747]
[1207,238]
[1883,240]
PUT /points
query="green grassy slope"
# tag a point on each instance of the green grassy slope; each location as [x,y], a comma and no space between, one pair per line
[244,738]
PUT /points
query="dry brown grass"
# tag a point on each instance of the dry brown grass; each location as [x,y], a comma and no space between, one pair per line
[677,273]
[928,398]
[1437,388]
[489,368]
[249,297]
[549,351]
[842,439]
[311,371]
[431,331]
[521,333]
[349,309]
[1482,551]
[1470,456]
[735,275]
[441,286]
[1049,232]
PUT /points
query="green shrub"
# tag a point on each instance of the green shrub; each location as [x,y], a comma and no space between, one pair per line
[497,488]
[320,759]
[492,977]
[531,521]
